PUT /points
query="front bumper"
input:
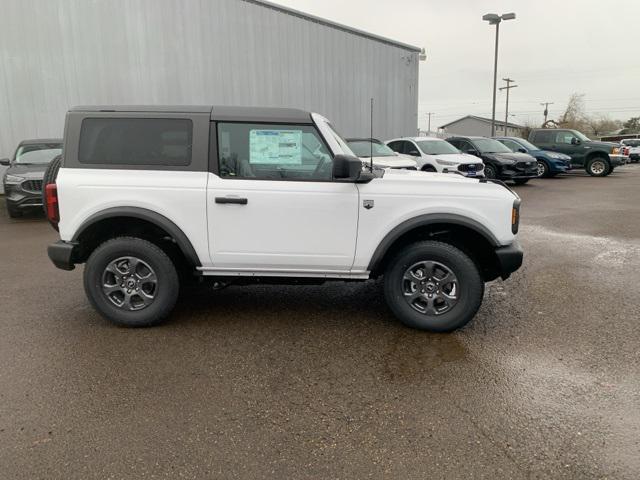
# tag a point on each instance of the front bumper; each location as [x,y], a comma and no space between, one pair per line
[515,171]
[617,160]
[18,198]
[559,166]
[62,254]
[509,259]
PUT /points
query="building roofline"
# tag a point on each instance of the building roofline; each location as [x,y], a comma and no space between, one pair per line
[482,119]
[336,25]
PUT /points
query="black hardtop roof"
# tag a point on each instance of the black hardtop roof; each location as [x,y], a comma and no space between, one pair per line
[218,113]
[37,141]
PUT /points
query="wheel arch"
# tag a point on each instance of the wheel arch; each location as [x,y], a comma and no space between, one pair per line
[122,220]
[467,234]
[597,153]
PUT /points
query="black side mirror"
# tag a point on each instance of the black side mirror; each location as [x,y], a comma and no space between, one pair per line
[471,151]
[347,168]
[522,150]
[414,153]
[575,141]
[5,161]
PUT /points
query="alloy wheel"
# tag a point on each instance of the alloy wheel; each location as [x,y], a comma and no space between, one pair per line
[430,288]
[129,283]
[598,167]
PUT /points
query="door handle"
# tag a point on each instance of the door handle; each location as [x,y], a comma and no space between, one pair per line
[237,200]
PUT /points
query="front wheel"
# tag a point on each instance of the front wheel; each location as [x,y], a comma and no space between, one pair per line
[543,169]
[131,282]
[433,286]
[490,171]
[598,167]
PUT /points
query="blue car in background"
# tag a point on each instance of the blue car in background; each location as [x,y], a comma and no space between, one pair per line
[549,163]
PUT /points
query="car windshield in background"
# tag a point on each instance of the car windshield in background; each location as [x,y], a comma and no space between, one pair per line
[437,147]
[527,145]
[37,154]
[489,145]
[363,148]
[632,143]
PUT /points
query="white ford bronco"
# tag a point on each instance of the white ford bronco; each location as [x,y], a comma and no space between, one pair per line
[151,197]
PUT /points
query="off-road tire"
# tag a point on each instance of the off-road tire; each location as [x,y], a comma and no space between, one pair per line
[598,167]
[167,285]
[50,175]
[470,286]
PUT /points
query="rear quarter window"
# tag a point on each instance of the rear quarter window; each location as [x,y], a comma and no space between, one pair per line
[136,141]
[544,137]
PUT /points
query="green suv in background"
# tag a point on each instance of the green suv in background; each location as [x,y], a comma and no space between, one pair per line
[597,158]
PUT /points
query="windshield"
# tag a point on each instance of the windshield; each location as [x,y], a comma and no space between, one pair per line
[581,136]
[631,143]
[527,145]
[363,148]
[437,147]
[38,154]
[489,145]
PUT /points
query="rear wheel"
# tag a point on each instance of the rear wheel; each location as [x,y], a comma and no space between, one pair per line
[131,282]
[598,167]
[429,168]
[433,286]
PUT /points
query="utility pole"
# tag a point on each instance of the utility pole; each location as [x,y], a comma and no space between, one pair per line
[546,110]
[429,128]
[506,110]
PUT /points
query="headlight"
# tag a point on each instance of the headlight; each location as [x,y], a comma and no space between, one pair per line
[13,179]
[447,163]
[615,150]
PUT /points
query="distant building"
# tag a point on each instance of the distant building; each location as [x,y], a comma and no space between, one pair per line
[473,125]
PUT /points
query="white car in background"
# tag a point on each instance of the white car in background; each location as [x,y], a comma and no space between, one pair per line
[633,144]
[436,155]
[383,156]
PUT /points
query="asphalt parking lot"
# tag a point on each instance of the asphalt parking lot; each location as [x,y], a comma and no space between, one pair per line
[322,382]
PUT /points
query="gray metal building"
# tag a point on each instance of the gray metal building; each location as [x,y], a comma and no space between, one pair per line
[474,125]
[58,53]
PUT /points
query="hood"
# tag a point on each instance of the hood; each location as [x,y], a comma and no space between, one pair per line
[458,158]
[603,145]
[33,172]
[399,161]
[510,157]
[411,182]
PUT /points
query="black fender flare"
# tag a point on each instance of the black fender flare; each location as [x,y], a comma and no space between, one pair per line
[422,221]
[160,221]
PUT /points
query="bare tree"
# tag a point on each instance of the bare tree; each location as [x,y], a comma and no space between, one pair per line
[601,124]
[574,115]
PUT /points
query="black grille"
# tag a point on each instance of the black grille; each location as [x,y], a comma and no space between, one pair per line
[474,167]
[526,165]
[32,186]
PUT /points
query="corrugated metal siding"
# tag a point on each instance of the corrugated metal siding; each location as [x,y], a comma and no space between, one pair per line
[58,53]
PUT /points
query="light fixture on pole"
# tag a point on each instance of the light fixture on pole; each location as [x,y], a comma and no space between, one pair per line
[495,19]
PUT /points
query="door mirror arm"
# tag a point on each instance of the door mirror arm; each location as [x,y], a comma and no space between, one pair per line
[5,162]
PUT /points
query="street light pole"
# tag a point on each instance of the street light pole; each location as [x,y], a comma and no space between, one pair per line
[495,19]
[495,80]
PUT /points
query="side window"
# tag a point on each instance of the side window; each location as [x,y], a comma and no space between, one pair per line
[455,143]
[395,146]
[136,141]
[465,146]
[511,145]
[272,152]
[565,137]
[547,137]
[410,148]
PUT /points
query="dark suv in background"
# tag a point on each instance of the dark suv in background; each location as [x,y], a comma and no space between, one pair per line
[549,163]
[597,158]
[499,161]
[23,179]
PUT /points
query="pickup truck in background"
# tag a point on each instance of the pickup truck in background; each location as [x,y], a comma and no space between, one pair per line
[597,158]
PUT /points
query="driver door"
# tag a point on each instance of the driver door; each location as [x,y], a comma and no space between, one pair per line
[272,204]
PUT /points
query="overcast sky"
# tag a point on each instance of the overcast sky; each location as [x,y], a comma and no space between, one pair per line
[552,49]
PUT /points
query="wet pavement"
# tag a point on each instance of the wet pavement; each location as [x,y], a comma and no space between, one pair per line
[322,382]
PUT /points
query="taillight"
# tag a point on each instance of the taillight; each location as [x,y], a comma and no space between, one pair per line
[515,216]
[51,196]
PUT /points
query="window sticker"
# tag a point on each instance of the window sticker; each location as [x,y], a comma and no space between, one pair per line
[275,147]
